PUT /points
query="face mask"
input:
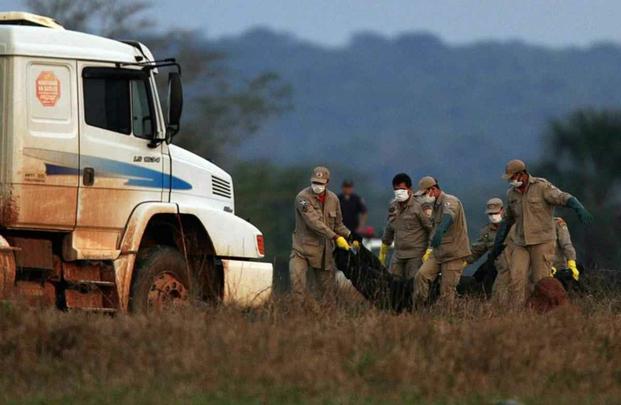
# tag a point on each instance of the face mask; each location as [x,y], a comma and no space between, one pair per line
[401,195]
[318,188]
[495,218]
[516,183]
[427,199]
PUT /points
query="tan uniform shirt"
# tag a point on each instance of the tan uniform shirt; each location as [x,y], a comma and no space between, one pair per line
[409,228]
[455,243]
[533,211]
[484,243]
[316,225]
[564,248]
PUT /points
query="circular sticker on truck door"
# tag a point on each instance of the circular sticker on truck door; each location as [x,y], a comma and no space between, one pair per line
[48,88]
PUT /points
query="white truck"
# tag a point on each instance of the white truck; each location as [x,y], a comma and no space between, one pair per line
[98,209]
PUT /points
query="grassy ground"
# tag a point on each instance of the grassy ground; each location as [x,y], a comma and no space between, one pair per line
[306,352]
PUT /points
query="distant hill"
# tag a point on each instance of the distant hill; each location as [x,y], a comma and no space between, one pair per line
[414,103]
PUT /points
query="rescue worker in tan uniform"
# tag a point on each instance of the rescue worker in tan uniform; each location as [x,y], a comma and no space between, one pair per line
[495,212]
[487,235]
[449,243]
[501,292]
[565,256]
[408,227]
[318,227]
[530,206]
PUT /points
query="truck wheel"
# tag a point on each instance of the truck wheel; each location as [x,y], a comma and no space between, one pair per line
[160,280]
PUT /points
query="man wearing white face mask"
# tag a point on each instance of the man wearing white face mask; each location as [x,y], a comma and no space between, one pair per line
[494,210]
[531,202]
[408,227]
[498,282]
[449,241]
[318,228]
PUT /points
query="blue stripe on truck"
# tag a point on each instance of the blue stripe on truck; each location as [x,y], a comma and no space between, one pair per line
[136,175]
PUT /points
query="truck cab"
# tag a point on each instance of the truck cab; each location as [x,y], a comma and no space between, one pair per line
[99,210]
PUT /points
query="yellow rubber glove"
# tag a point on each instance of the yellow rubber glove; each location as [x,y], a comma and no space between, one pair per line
[341,242]
[552,271]
[427,255]
[356,245]
[571,265]
[382,254]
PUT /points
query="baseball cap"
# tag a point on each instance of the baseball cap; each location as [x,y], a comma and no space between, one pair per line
[424,184]
[493,206]
[320,175]
[512,167]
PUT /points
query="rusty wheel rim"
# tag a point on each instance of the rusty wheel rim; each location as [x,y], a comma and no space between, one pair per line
[167,292]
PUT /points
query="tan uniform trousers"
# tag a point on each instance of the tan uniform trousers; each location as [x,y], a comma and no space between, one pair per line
[406,268]
[451,272]
[529,264]
[500,290]
[319,283]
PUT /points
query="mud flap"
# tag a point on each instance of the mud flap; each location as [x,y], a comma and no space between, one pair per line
[247,283]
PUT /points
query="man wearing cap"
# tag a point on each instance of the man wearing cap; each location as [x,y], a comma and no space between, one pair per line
[530,206]
[408,227]
[449,241]
[353,207]
[495,213]
[318,227]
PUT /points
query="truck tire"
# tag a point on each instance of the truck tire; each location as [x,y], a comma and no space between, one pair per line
[160,280]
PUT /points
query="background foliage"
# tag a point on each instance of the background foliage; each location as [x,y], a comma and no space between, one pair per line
[584,155]
[268,107]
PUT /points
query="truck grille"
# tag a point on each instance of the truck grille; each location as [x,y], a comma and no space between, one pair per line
[220,187]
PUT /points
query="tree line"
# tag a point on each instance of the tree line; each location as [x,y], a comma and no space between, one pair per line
[582,150]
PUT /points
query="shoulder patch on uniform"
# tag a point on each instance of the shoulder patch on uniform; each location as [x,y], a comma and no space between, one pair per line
[304,205]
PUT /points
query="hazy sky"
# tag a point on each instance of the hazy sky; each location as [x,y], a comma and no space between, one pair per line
[550,22]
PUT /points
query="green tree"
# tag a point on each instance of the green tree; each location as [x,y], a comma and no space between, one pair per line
[222,109]
[268,192]
[583,156]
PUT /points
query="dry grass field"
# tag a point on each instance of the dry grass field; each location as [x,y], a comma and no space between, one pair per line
[292,352]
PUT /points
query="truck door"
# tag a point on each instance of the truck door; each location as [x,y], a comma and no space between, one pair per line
[118,168]
[44,158]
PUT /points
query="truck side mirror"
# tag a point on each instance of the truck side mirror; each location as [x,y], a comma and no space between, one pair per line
[175,104]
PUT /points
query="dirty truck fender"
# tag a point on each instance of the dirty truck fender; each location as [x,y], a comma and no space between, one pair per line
[231,236]
[247,281]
